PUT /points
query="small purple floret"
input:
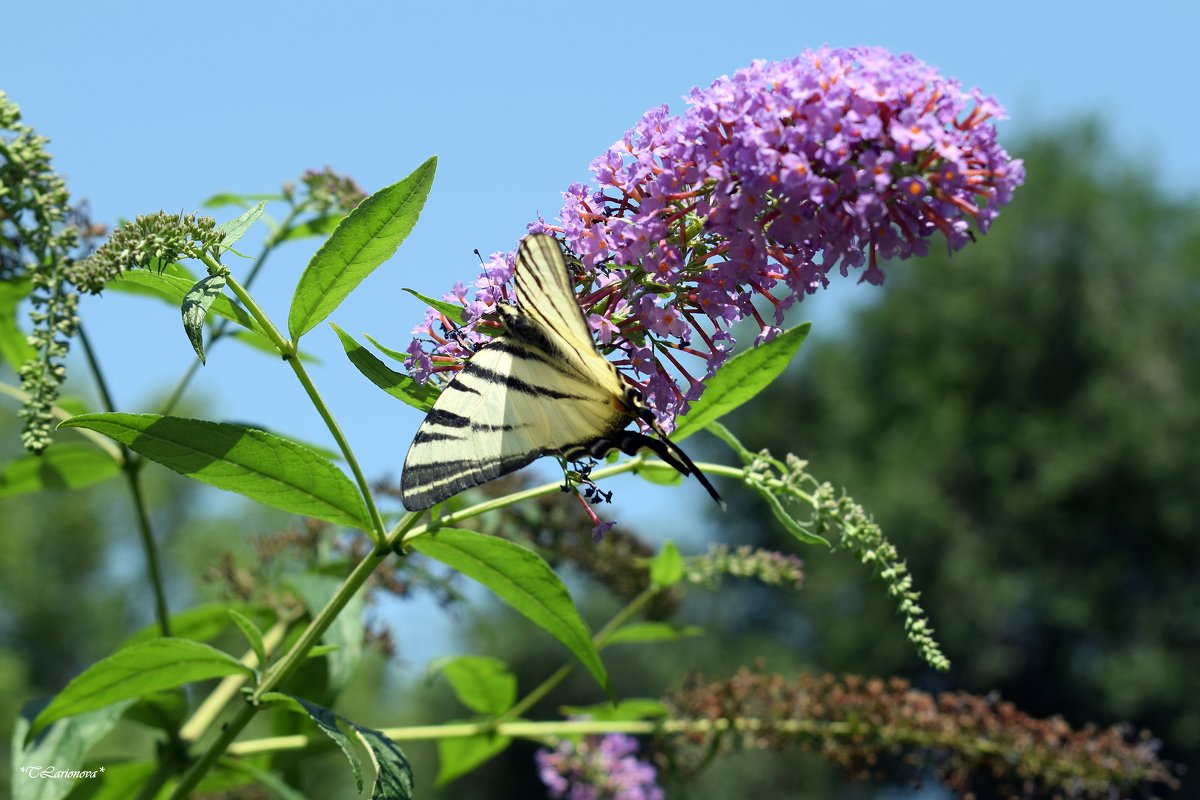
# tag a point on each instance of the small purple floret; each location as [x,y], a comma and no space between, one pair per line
[598,768]
[747,202]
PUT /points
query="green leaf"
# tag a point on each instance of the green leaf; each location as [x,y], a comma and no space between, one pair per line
[200,623]
[195,307]
[667,567]
[345,633]
[265,345]
[740,379]
[262,466]
[174,289]
[395,355]
[453,311]
[269,780]
[62,748]
[398,385]
[319,226]
[461,754]
[319,650]
[327,721]
[520,578]
[163,710]
[393,773]
[481,683]
[243,200]
[137,671]
[14,347]
[117,782]
[632,708]
[791,525]
[646,632]
[367,237]
[253,636]
[660,477]
[66,465]
[236,228]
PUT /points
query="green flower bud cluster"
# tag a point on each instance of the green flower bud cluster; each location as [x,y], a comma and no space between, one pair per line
[36,241]
[150,241]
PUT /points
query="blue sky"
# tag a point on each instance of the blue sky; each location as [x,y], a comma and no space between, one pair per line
[157,106]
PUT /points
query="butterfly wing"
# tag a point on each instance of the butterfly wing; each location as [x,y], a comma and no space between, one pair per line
[540,388]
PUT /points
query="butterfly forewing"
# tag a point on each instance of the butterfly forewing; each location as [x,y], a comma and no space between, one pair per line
[540,388]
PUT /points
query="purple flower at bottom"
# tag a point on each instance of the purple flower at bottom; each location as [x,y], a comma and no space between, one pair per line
[598,768]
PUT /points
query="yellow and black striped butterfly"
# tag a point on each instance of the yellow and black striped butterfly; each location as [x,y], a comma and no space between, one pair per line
[539,388]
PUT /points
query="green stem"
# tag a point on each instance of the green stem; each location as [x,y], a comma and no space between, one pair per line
[560,674]
[403,531]
[632,465]
[131,468]
[58,412]
[229,686]
[378,530]
[580,727]
[295,656]
[223,325]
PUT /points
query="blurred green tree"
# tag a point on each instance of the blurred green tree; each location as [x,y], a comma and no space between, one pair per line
[1022,421]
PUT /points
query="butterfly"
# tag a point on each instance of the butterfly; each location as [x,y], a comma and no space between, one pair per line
[539,388]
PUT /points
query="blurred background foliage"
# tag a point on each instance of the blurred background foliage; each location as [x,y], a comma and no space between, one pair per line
[1021,419]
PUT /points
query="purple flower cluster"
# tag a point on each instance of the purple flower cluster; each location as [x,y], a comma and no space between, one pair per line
[770,179]
[598,768]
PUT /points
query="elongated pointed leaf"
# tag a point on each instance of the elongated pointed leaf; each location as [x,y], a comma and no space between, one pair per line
[481,683]
[667,567]
[242,200]
[195,307]
[630,708]
[274,784]
[395,355]
[741,378]
[397,384]
[453,311]
[327,721]
[119,781]
[460,755]
[203,622]
[236,228]
[253,636]
[648,632]
[163,710]
[366,238]
[62,748]
[264,345]
[137,671]
[321,226]
[393,773]
[175,288]
[67,465]
[262,466]
[520,578]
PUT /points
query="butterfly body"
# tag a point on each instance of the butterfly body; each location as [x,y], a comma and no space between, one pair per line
[540,388]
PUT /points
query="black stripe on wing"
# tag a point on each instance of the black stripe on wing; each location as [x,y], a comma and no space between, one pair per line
[542,279]
[513,383]
[426,485]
